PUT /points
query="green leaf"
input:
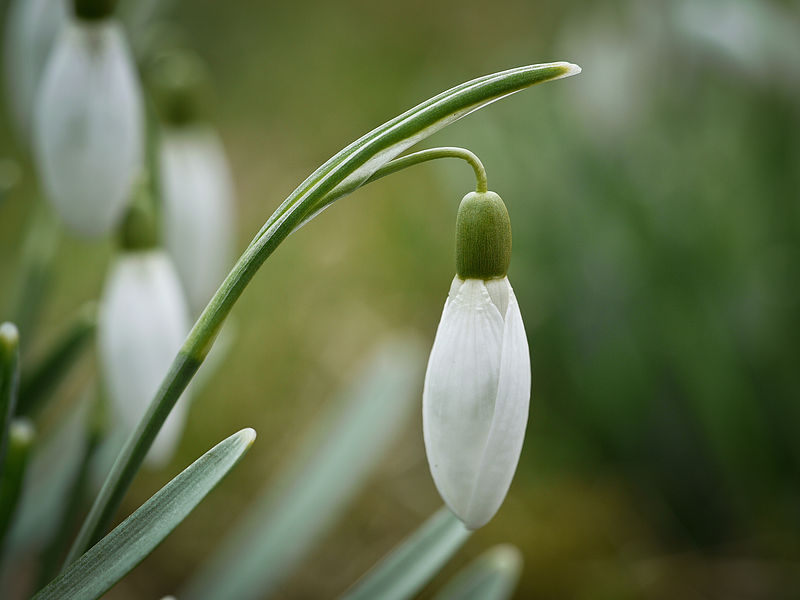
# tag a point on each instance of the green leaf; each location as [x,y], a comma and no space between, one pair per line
[339,452]
[51,369]
[108,561]
[413,563]
[20,441]
[492,576]
[351,166]
[356,163]
[9,381]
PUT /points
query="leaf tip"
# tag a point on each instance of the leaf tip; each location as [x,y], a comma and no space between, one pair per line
[248,436]
[9,335]
[568,69]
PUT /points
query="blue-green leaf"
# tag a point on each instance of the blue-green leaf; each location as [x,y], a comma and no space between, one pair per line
[492,576]
[414,562]
[339,452]
[110,559]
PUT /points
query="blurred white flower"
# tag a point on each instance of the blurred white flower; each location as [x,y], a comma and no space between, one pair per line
[478,383]
[760,39]
[31,29]
[143,322]
[89,126]
[198,199]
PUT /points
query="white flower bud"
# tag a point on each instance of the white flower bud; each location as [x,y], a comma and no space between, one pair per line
[197,193]
[143,322]
[476,395]
[31,29]
[89,125]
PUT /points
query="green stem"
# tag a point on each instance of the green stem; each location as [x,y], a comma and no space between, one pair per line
[356,163]
[398,164]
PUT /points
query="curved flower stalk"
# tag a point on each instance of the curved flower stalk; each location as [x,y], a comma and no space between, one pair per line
[88,122]
[477,386]
[143,321]
[31,29]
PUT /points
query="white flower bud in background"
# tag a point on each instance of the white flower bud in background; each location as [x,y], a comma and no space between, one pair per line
[197,193]
[88,123]
[31,29]
[477,386]
[143,322]
[195,181]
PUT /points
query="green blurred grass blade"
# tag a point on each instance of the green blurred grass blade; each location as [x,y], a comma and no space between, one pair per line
[35,269]
[108,561]
[76,496]
[20,442]
[413,563]
[37,386]
[339,452]
[9,380]
[492,576]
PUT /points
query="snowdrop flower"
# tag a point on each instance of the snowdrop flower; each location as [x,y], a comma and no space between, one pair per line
[143,322]
[196,185]
[197,193]
[31,29]
[88,121]
[477,387]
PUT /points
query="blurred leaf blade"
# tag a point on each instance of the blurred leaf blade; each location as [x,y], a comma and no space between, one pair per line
[9,380]
[413,563]
[314,489]
[105,563]
[492,576]
[21,438]
[51,369]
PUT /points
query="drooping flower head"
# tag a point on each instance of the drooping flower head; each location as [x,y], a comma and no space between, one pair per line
[477,387]
[196,184]
[143,322]
[88,121]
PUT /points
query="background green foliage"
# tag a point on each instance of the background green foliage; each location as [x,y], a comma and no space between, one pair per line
[655,205]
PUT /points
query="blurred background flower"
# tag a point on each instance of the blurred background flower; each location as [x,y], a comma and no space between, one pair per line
[654,203]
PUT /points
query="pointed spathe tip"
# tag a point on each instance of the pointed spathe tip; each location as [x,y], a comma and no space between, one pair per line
[570,69]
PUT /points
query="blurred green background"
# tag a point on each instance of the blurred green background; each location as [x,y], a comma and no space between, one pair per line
[655,204]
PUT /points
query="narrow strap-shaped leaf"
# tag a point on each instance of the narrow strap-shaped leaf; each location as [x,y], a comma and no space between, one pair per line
[9,380]
[339,452]
[20,442]
[356,163]
[108,561]
[73,501]
[51,369]
[414,562]
[36,269]
[492,576]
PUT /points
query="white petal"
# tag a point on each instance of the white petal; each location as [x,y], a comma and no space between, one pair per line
[504,444]
[460,388]
[89,126]
[143,322]
[198,210]
[31,29]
